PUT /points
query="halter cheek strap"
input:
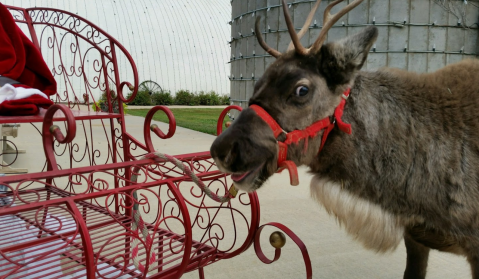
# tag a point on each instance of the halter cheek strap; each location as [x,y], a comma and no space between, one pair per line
[327,124]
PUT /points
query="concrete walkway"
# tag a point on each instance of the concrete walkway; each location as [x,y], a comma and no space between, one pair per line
[149,107]
[85,107]
[333,253]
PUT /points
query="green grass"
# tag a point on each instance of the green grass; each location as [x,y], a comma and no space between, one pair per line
[201,120]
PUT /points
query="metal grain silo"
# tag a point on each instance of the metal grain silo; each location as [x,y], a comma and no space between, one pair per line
[417,35]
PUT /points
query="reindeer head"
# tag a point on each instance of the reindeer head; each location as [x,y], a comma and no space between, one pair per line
[302,86]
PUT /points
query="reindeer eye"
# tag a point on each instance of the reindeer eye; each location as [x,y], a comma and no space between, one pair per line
[301,91]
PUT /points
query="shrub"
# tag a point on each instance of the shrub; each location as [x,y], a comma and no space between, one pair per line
[142,98]
[96,106]
[214,98]
[194,100]
[102,106]
[102,103]
[187,98]
[202,98]
[163,98]
[224,100]
[209,99]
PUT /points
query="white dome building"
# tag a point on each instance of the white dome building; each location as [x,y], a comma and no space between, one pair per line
[179,44]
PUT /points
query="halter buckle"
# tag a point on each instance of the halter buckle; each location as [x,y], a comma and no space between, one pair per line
[332,119]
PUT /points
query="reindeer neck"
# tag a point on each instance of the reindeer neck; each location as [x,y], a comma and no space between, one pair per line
[400,121]
[372,110]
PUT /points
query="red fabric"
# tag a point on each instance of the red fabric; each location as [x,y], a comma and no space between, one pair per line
[309,132]
[338,113]
[27,106]
[293,172]
[282,152]
[325,136]
[277,130]
[22,61]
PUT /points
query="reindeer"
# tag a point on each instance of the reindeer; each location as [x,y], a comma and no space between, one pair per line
[395,155]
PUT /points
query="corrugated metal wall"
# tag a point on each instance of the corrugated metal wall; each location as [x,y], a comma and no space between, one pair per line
[179,44]
[417,35]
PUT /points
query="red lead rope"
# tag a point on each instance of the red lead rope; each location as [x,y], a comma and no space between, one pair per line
[327,124]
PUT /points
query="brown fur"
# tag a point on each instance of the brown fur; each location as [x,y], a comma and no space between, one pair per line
[411,166]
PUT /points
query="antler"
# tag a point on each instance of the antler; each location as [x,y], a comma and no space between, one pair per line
[261,41]
[295,37]
[306,25]
[328,21]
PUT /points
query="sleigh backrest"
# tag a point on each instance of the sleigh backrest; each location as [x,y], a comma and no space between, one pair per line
[83,58]
[85,62]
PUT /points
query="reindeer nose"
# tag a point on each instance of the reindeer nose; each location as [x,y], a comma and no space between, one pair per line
[225,148]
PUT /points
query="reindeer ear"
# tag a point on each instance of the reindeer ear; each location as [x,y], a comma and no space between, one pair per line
[339,61]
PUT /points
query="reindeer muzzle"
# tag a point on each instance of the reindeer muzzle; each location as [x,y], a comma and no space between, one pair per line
[294,137]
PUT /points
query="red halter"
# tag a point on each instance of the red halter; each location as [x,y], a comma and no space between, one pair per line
[326,124]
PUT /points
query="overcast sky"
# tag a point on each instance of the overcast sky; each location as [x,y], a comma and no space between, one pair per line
[180,44]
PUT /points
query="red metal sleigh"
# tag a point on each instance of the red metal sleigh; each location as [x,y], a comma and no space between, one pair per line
[74,218]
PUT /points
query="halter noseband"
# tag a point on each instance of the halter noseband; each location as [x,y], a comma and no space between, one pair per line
[327,124]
